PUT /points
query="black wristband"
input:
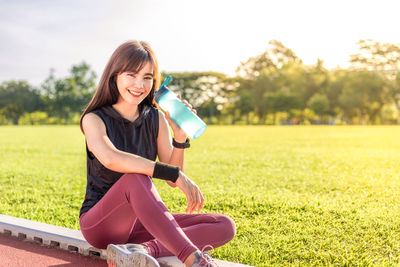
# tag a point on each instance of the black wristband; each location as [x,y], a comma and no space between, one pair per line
[166,172]
[181,145]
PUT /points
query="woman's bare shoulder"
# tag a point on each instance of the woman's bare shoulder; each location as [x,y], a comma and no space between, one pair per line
[92,121]
[161,115]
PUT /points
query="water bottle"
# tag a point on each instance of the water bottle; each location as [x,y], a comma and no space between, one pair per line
[181,114]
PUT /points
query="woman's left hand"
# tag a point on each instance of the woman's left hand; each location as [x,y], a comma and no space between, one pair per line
[179,135]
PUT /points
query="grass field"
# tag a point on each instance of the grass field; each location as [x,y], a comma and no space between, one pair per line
[317,195]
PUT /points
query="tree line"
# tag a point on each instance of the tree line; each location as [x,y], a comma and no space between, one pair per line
[274,87]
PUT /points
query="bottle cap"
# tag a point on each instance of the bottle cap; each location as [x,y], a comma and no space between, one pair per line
[162,89]
[166,81]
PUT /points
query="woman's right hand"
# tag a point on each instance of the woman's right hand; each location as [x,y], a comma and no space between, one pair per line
[193,194]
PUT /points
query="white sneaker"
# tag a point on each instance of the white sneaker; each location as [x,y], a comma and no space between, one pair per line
[129,255]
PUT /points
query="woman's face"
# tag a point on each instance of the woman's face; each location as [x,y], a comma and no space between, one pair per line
[134,87]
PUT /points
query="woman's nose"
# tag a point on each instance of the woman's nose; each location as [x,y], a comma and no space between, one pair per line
[139,83]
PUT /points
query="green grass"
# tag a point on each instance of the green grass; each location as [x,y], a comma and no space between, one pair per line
[299,195]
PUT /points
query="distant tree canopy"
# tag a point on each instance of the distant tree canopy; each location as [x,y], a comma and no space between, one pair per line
[61,100]
[376,56]
[16,98]
[271,88]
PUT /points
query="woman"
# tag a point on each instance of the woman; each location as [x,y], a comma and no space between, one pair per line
[124,134]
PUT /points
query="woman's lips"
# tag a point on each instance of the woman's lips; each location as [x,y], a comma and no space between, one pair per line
[134,93]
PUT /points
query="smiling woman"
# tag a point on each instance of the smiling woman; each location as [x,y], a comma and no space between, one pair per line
[125,133]
[134,87]
[133,64]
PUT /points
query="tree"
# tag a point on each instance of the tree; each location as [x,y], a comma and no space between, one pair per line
[334,89]
[16,98]
[319,103]
[69,95]
[277,69]
[276,56]
[206,91]
[377,56]
[245,104]
[263,84]
[280,102]
[82,82]
[363,94]
[389,113]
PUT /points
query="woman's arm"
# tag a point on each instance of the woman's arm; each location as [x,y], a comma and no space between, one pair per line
[175,156]
[112,158]
[166,152]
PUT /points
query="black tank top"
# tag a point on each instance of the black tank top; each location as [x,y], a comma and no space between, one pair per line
[138,137]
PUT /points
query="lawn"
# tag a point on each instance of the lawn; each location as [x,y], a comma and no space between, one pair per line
[300,195]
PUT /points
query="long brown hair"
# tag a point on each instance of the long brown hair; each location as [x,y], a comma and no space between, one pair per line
[131,56]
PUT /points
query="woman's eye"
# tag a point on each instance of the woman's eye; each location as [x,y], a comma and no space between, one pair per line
[132,75]
[149,78]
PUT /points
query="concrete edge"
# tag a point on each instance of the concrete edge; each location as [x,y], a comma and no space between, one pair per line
[49,235]
[69,239]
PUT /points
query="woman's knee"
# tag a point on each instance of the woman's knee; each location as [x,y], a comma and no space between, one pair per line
[228,226]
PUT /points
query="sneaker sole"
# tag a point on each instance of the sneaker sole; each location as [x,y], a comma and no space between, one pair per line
[117,258]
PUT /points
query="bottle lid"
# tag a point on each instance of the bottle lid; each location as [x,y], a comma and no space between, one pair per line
[162,89]
[166,81]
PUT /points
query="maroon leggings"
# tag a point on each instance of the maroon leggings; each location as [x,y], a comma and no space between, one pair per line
[132,212]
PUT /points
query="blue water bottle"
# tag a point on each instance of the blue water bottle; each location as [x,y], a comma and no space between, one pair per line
[181,114]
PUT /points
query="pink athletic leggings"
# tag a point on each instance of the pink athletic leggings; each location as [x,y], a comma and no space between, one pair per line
[132,212]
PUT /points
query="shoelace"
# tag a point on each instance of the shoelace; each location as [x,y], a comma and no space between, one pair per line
[204,262]
[205,248]
[206,258]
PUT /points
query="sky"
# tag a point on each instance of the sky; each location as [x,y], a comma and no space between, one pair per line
[186,35]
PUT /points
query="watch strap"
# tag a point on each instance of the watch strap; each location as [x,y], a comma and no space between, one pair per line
[181,145]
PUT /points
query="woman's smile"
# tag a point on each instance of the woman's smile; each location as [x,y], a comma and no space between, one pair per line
[135,93]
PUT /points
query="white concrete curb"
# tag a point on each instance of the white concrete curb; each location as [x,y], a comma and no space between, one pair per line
[69,239]
[49,235]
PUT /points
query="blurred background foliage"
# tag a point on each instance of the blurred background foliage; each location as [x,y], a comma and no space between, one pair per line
[275,87]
